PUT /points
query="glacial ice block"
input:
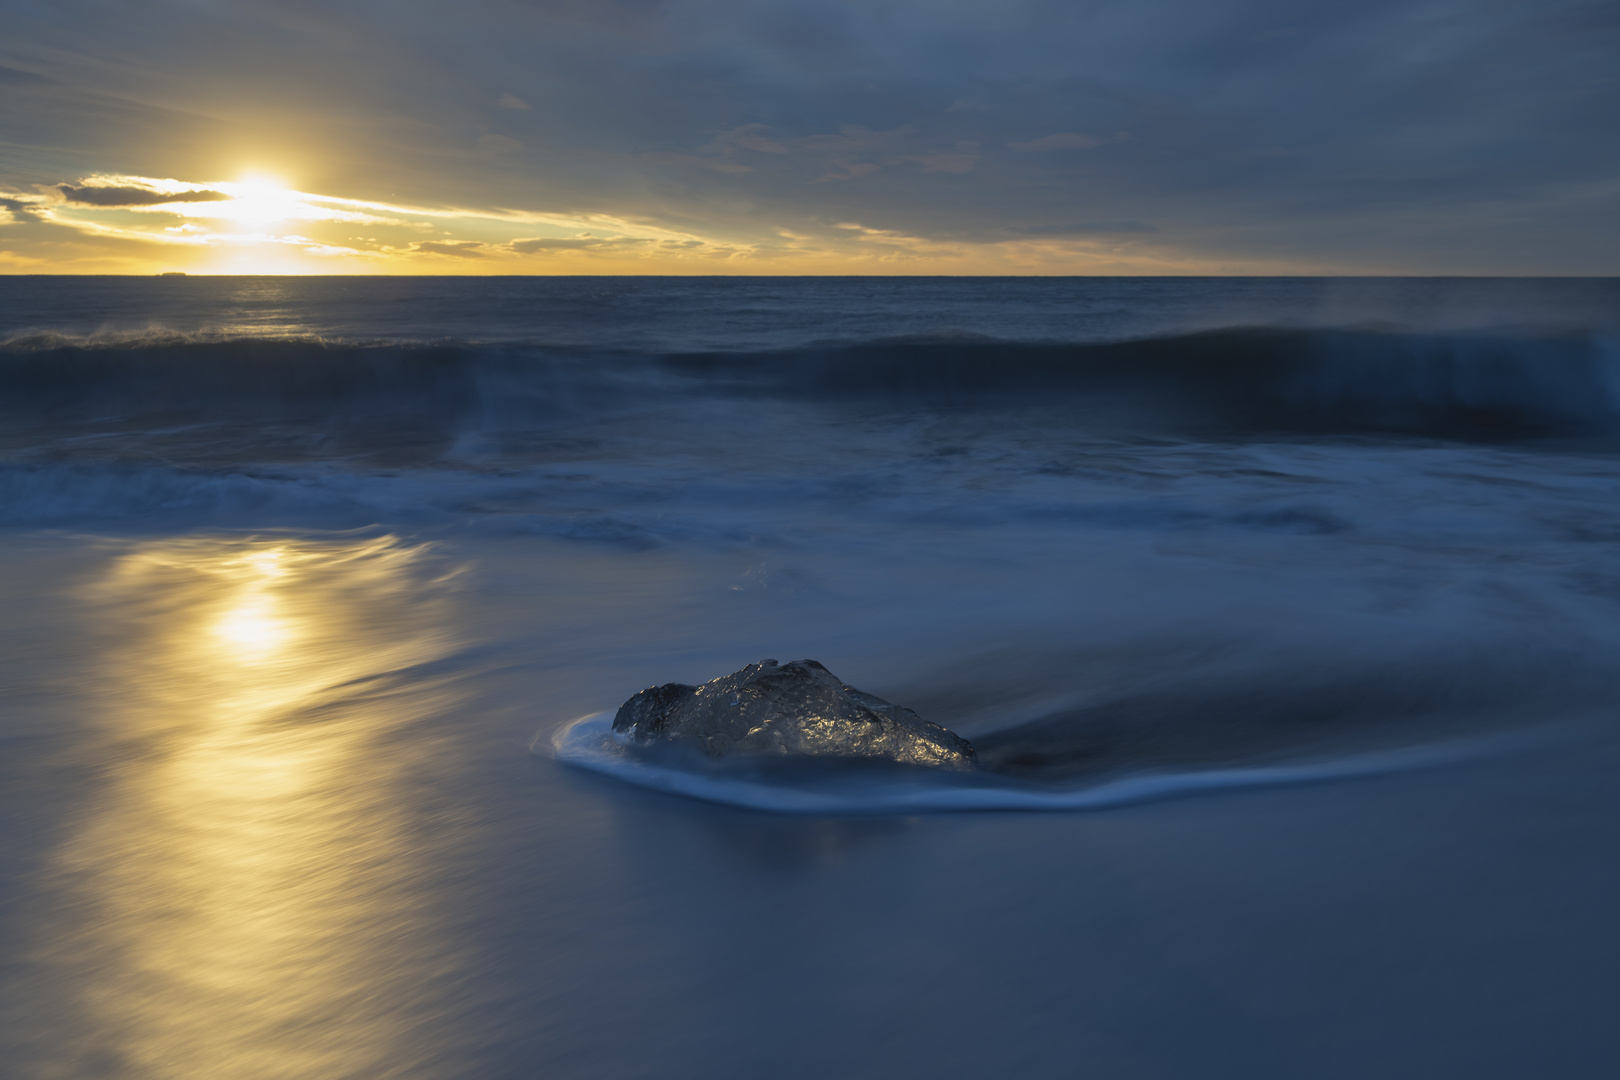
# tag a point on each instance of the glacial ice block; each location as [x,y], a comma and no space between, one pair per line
[798,709]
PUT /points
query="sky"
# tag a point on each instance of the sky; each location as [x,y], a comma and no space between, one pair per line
[810,137]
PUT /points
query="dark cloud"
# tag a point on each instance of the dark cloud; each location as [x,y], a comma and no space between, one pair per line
[133,196]
[15,210]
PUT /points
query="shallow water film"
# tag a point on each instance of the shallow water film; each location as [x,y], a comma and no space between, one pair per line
[1280,614]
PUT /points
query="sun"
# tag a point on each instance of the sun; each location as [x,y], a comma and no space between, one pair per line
[258,202]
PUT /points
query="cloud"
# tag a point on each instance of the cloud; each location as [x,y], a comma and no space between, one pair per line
[461,249]
[533,245]
[960,162]
[848,170]
[1067,141]
[13,210]
[96,195]
[13,77]
[850,153]
[17,208]
[700,161]
[499,144]
[750,137]
[1382,136]
[1084,228]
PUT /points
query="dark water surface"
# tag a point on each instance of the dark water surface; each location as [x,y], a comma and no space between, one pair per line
[297,571]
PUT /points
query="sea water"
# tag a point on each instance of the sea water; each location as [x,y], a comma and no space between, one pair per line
[1285,609]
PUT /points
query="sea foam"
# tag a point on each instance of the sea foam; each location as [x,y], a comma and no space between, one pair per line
[590,743]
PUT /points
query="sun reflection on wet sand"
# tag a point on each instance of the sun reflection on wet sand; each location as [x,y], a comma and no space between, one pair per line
[251,898]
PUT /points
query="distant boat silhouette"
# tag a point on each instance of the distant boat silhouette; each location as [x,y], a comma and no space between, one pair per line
[173,273]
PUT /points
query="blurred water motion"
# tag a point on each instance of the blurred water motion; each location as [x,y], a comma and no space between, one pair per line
[246,900]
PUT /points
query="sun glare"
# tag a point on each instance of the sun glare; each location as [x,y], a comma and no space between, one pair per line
[252,629]
[259,203]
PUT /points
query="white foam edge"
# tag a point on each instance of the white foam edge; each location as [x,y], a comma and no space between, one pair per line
[589,742]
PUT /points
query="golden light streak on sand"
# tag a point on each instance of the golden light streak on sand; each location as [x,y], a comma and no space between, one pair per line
[252,883]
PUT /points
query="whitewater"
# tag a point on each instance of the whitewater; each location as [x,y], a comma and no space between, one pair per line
[1280,611]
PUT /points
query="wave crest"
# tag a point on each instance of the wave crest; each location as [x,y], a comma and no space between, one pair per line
[1498,385]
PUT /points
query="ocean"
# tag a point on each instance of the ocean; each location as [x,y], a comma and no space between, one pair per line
[1282,612]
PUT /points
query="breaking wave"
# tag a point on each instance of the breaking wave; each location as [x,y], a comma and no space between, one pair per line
[1498,385]
[1311,381]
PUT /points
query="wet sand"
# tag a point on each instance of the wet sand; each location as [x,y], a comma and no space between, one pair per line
[270,812]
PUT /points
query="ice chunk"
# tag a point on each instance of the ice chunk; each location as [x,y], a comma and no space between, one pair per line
[798,709]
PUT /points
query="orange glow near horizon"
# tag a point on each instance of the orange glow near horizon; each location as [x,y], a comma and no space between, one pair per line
[258,224]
